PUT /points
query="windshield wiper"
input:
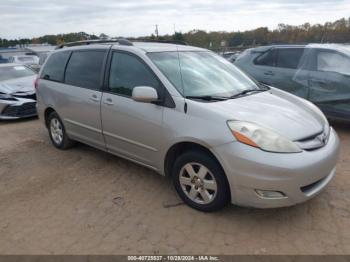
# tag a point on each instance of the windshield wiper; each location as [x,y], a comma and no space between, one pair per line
[247,91]
[209,98]
[264,86]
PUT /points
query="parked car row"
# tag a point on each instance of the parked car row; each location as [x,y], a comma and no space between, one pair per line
[33,61]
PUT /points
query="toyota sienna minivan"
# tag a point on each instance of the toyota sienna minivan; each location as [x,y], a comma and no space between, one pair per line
[187,113]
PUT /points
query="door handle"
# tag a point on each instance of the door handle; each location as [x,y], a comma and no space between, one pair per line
[108,101]
[94,98]
[318,81]
[322,85]
[269,73]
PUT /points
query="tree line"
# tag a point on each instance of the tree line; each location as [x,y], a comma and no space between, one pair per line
[330,32]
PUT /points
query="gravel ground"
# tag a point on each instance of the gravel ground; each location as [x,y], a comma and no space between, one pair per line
[84,201]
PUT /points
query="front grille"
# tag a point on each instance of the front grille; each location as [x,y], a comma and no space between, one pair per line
[25,110]
[314,142]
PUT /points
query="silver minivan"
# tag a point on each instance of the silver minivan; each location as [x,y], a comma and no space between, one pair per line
[187,113]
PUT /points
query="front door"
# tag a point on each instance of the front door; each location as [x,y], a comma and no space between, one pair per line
[290,75]
[131,129]
[264,68]
[280,68]
[330,83]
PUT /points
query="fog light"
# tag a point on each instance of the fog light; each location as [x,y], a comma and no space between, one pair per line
[270,194]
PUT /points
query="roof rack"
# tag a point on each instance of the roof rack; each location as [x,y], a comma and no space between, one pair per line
[121,41]
[177,42]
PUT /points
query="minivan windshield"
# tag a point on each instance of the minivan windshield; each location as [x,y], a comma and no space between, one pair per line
[202,73]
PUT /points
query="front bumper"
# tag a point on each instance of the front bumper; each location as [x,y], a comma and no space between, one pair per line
[298,176]
[21,108]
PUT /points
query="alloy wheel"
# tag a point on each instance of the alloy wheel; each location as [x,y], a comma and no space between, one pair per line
[198,183]
[56,131]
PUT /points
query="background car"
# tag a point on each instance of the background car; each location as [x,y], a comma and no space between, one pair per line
[3,60]
[42,58]
[24,60]
[17,93]
[227,54]
[317,72]
[231,56]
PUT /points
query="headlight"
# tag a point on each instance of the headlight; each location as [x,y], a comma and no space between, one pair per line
[263,138]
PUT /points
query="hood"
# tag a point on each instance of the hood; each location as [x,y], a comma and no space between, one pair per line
[288,115]
[18,85]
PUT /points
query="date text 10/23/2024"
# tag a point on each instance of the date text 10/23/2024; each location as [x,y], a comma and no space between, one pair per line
[173,258]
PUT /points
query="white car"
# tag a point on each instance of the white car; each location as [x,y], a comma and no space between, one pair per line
[24,59]
[17,93]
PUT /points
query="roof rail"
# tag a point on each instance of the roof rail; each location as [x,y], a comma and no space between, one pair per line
[121,41]
[177,42]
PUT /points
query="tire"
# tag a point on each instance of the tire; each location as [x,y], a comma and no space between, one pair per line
[57,132]
[200,181]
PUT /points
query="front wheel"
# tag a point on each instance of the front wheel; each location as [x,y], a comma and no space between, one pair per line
[200,181]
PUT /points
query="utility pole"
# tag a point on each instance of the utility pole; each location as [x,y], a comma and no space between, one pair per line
[156,31]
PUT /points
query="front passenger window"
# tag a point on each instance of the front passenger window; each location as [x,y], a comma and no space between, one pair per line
[127,71]
[266,59]
[289,57]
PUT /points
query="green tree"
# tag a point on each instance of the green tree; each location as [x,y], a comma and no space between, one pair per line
[178,36]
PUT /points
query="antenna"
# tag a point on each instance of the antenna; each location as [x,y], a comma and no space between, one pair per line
[156,31]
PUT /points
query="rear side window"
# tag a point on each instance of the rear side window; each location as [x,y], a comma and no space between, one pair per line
[84,69]
[333,62]
[289,57]
[54,67]
[266,59]
[127,71]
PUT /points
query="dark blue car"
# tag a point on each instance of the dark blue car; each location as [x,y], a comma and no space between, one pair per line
[3,60]
[317,72]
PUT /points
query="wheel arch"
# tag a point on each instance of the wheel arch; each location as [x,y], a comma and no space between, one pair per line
[181,147]
[47,112]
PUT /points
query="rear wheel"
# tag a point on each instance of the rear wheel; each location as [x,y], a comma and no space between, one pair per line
[57,132]
[200,181]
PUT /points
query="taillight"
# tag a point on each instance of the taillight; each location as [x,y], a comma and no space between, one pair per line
[36,83]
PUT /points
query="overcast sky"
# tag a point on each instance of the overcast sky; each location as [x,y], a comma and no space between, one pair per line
[32,18]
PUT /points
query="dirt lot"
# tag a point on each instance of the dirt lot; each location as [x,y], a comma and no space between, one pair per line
[84,201]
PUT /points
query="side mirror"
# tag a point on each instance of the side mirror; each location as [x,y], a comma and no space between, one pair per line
[144,94]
